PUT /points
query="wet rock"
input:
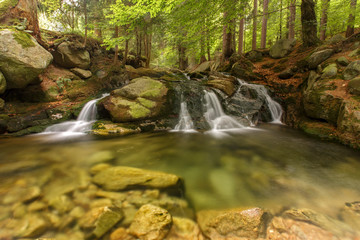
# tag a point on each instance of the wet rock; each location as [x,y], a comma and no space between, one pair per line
[349,122]
[143,98]
[84,74]
[100,202]
[352,70]
[330,71]
[37,206]
[281,228]
[318,57]
[282,48]
[227,85]
[354,86]
[233,223]
[111,195]
[19,210]
[107,128]
[100,220]
[351,214]
[22,194]
[32,226]
[343,61]
[101,156]
[318,129]
[2,83]
[99,167]
[121,233]
[22,59]
[321,103]
[120,178]
[184,229]
[72,55]
[61,203]
[327,223]
[151,223]
[288,73]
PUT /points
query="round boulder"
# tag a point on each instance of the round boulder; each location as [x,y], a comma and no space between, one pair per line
[354,86]
[22,59]
[282,48]
[2,83]
[72,55]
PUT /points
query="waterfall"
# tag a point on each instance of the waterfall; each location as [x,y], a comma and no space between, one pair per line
[82,124]
[274,107]
[185,122]
[215,115]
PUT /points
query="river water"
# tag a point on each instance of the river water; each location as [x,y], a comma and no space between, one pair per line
[270,166]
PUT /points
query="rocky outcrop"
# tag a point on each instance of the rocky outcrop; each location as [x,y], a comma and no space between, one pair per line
[225,84]
[84,74]
[282,48]
[233,223]
[143,98]
[318,57]
[119,178]
[22,59]
[151,223]
[72,55]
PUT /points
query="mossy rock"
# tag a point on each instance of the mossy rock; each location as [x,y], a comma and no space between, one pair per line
[24,39]
[318,129]
[354,86]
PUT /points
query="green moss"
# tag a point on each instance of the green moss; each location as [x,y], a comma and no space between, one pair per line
[24,39]
[139,111]
[6,4]
[146,103]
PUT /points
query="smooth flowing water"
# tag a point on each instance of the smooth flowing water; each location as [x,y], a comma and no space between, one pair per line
[272,168]
[185,122]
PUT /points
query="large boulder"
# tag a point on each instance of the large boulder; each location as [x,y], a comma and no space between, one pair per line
[318,57]
[330,71]
[349,122]
[2,83]
[320,103]
[203,67]
[120,178]
[244,72]
[72,55]
[233,223]
[282,48]
[22,59]
[143,98]
[352,70]
[225,84]
[354,86]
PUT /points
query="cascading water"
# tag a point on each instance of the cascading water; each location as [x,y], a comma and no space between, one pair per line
[185,122]
[82,124]
[215,115]
[274,107]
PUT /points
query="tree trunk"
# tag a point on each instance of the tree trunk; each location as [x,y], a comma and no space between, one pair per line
[254,25]
[202,48]
[324,17]
[233,36]
[350,26]
[182,58]
[126,51]
[226,47]
[264,24]
[309,24]
[280,20]
[208,45]
[147,38]
[86,22]
[116,35]
[241,36]
[292,19]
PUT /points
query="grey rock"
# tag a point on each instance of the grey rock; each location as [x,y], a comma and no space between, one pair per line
[352,71]
[82,73]
[343,61]
[282,48]
[21,61]
[151,223]
[330,71]
[288,73]
[354,86]
[318,57]
[203,67]
[72,55]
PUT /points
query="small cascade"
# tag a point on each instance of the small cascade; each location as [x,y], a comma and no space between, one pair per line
[185,122]
[274,107]
[215,115]
[82,124]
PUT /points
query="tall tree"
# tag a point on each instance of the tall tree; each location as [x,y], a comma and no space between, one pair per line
[241,35]
[86,21]
[280,19]
[292,17]
[350,25]
[309,24]
[254,33]
[324,18]
[264,24]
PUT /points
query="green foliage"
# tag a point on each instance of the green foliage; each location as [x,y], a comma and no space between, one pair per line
[62,83]
[6,4]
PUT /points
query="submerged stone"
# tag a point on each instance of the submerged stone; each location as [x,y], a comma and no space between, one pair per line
[120,178]
[151,223]
[184,229]
[32,226]
[233,223]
